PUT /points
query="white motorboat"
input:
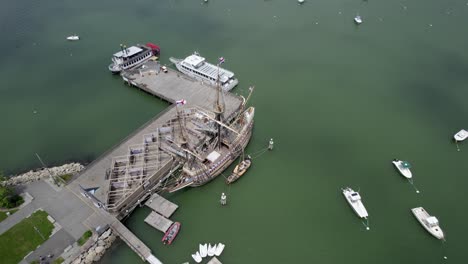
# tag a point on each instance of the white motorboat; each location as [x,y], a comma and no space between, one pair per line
[219,249]
[73,37]
[461,135]
[403,167]
[211,250]
[203,250]
[354,199]
[197,257]
[358,19]
[430,223]
[300,1]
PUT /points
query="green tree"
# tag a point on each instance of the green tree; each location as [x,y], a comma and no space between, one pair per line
[8,198]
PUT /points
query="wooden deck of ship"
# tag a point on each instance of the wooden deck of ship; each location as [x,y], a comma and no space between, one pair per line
[170,86]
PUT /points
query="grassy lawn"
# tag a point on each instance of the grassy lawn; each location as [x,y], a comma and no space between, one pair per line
[85,237]
[3,215]
[66,177]
[22,238]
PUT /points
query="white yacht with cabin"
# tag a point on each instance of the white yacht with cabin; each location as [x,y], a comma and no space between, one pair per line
[461,135]
[132,56]
[198,68]
[403,167]
[354,199]
[430,223]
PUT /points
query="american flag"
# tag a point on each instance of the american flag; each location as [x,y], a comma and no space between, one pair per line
[181,102]
[221,60]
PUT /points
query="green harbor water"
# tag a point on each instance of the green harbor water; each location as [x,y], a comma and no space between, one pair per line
[340,100]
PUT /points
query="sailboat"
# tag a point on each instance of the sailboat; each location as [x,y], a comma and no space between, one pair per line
[213,144]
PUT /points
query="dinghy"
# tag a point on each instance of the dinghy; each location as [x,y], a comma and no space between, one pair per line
[211,250]
[203,250]
[461,135]
[197,257]
[403,167]
[219,249]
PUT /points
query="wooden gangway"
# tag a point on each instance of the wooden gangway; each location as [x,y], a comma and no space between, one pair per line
[161,206]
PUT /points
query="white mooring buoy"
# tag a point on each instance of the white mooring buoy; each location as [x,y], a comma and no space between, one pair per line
[270,144]
[223,199]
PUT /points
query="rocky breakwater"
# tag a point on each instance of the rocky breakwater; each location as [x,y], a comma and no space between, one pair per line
[35,175]
[97,249]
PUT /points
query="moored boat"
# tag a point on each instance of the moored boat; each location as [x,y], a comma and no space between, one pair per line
[132,56]
[354,200]
[211,250]
[239,170]
[171,233]
[403,167]
[197,257]
[358,19]
[461,135]
[73,37]
[198,68]
[219,249]
[203,250]
[430,223]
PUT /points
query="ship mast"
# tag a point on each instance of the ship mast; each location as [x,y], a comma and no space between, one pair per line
[219,105]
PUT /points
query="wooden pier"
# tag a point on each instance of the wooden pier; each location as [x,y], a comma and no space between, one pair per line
[170,86]
[161,206]
[158,221]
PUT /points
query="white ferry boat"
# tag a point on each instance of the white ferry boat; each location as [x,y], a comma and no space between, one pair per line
[132,56]
[430,223]
[196,67]
[354,199]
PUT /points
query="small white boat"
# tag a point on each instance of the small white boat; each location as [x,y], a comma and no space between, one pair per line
[219,249]
[354,199]
[203,250]
[197,257]
[403,167]
[461,135]
[358,19]
[300,1]
[211,250]
[73,37]
[430,223]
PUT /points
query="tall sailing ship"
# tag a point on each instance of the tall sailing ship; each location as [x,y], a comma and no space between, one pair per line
[205,141]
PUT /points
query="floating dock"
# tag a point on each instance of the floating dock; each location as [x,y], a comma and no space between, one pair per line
[161,206]
[158,221]
[214,260]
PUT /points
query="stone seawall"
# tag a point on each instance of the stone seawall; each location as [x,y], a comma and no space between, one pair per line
[96,250]
[31,176]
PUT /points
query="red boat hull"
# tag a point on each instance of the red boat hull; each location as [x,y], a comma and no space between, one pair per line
[171,233]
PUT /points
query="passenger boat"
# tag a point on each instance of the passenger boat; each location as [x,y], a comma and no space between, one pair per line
[354,199]
[358,19]
[171,233]
[133,56]
[430,223]
[219,249]
[461,135]
[403,167]
[203,250]
[73,37]
[239,170]
[197,257]
[211,250]
[198,68]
